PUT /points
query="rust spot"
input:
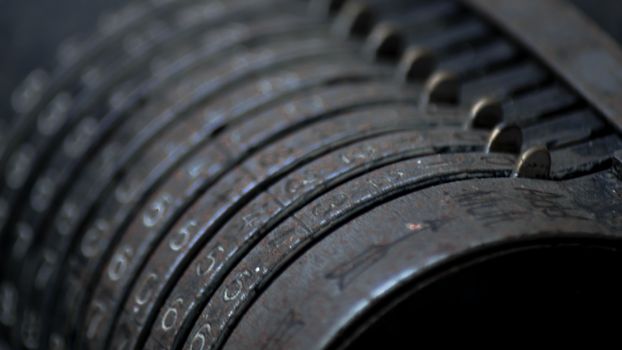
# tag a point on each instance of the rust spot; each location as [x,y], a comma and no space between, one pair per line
[414,226]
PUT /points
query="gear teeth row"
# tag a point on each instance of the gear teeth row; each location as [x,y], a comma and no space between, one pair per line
[383,41]
[158,203]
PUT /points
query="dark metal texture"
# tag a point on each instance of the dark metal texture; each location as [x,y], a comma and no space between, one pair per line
[381,256]
[86,177]
[275,174]
[570,43]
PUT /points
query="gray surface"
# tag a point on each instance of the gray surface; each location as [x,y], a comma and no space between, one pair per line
[608,13]
[30,31]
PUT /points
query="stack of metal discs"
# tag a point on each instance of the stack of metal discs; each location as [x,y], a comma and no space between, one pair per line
[325,174]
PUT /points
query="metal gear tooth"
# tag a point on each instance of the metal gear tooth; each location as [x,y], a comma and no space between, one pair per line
[505,139]
[442,88]
[355,20]
[416,65]
[486,113]
[326,8]
[384,43]
[534,163]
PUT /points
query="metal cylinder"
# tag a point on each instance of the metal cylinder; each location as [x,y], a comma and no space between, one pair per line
[323,174]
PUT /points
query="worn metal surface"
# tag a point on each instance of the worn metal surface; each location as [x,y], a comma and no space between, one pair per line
[313,300]
[261,134]
[277,174]
[337,166]
[82,176]
[140,175]
[74,146]
[305,78]
[316,141]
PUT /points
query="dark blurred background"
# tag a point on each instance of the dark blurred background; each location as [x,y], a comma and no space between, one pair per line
[31,30]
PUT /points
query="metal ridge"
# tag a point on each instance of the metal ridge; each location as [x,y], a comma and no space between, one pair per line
[569,43]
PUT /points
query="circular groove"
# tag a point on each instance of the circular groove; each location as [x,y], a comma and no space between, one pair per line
[232,149]
[132,309]
[258,141]
[273,252]
[77,191]
[334,287]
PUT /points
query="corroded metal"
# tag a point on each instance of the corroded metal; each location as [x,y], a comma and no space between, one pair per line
[287,175]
